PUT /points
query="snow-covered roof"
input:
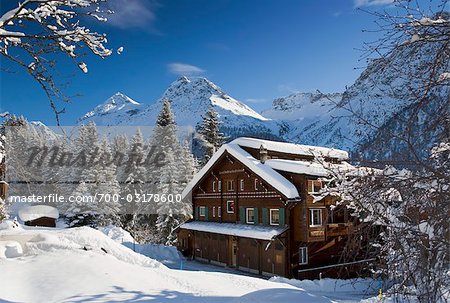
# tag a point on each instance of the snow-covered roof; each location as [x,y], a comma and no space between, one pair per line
[34,212]
[240,230]
[298,167]
[268,174]
[290,148]
[309,168]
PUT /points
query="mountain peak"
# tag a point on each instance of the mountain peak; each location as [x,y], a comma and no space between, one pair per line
[120,98]
[117,103]
[197,94]
[192,85]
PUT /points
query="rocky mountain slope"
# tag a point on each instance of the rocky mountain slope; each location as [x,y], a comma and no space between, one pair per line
[310,118]
[395,98]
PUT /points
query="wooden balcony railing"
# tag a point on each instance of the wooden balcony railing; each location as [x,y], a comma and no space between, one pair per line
[338,229]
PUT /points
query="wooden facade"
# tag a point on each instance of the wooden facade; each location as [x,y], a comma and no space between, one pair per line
[42,221]
[311,234]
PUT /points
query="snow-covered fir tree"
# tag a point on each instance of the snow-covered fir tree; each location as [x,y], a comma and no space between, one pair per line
[188,165]
[95,168]
[167,172]
[81,212]
[119,149]
[135,186]
[108,185]
[171,211]
[209,136]
[3,213]
[85,147]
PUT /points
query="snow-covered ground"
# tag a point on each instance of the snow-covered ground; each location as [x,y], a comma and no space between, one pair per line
[83,264]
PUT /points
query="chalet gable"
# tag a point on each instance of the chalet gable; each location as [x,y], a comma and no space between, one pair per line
[265,172]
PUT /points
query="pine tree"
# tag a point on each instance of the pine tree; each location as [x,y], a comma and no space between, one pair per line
[210,137]
[135,186]
[119,149]
[81,212]
[167,171]
[3,213]
[171,211]
[108,185]
[86,148]
[188,165]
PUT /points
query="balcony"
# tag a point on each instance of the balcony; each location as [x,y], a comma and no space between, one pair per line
[338,229]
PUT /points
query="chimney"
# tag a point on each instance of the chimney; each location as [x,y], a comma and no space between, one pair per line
[262,154]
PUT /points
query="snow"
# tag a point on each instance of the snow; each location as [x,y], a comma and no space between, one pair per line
[117,234]
[167,255]
[298,149]
[298,167]
[10,249]
[30,213]
[54,267]
[265,172]
[444,77]
[116,107]
[83,67]
[239,230]
[235,106]
[318,169]
[335,289]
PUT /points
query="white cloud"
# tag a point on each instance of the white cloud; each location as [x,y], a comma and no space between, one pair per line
[132,13]
[184,69]
[361,3]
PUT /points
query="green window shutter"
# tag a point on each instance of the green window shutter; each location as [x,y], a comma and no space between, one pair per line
[281,216]
[242,215]
[206,213]
[265,216]
[196,212]
[256,216]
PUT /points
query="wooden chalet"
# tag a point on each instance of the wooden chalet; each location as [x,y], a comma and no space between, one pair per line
[39,215]
[258,208]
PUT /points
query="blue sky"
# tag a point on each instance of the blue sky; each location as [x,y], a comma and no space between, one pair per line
[256,50]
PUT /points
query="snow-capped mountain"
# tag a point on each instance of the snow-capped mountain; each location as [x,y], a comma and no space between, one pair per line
[372,115]
[113,110]
[309,118]
[190,98]
[360,119]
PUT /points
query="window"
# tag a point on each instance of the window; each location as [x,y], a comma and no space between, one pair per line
[256,184]
[202,211]
[242,184]
[230,207]
[303,255]
[230,185]
[219,211]
[214,186]
[314,186]
[250,215]
[219,186]
[315,217]
[214,211]
[274,217]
